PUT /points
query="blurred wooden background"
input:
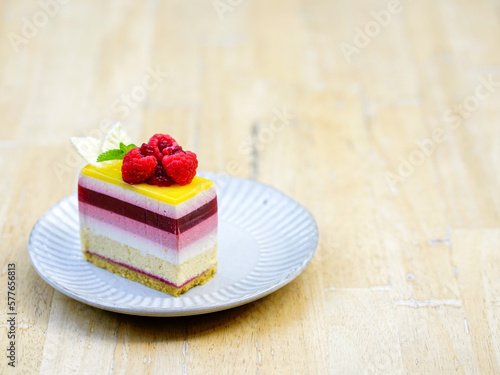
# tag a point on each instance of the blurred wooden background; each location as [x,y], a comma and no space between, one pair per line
[381,117]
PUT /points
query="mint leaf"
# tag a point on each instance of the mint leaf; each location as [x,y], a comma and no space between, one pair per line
[111,155]
[127,148]
[115,154]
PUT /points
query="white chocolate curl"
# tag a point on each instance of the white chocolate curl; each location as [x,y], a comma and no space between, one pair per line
[90,148]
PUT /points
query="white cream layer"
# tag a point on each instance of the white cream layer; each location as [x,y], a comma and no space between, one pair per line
[146,246]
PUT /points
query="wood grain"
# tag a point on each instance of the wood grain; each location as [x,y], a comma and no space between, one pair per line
[406,278]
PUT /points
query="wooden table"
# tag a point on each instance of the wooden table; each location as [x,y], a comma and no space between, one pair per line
[381,118]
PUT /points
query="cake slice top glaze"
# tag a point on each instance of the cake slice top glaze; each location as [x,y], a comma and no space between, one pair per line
[176,194]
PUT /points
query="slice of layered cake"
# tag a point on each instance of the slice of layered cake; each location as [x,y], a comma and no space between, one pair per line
[149,218]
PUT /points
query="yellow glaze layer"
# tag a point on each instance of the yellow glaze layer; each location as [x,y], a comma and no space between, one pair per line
[111,172]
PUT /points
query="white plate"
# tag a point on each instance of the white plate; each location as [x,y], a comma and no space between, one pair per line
[266,239]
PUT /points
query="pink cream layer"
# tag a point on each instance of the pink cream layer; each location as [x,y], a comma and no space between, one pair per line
[163,238]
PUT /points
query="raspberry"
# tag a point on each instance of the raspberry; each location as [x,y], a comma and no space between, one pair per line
[147,150]
[173,150]
[160,142]
[164,143]
[181,167]
[160,178]
[137,168]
